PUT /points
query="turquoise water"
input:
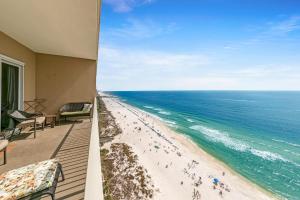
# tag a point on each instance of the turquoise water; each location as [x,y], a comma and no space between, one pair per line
[256,133]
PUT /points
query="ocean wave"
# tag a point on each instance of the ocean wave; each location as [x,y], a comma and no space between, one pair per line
[235,144]
[289,143]
[267,155]
[150,107]
[159,110]
[223,137]
[291,152]
[164,113]
[153,108]
[169,122]
[155,116]
[239,100]
[190,120]
[172,125]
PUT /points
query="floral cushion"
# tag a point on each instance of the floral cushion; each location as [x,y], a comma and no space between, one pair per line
[27,180]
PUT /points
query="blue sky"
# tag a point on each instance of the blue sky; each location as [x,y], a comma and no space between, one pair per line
[199,45]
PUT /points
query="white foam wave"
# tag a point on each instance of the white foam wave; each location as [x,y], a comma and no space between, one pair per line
[296,164]
[153,108]
[164,112]
[223,137]
[289,143]
[155,116]
[190,120]
[170,122]
[172,125]
[267,155]
[150,107]
[160,111]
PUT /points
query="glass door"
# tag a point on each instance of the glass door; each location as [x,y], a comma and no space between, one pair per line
[9,91]
[11,87]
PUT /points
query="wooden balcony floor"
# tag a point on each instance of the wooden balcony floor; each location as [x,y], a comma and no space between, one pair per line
[69,143]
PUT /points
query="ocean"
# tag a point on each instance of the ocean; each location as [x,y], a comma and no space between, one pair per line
[257,134]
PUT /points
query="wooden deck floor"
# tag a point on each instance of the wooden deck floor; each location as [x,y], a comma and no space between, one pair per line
[69,143]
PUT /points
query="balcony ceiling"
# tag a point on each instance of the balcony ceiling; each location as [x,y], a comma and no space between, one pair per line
[59,27]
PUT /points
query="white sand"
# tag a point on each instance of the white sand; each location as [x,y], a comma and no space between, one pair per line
[174,162]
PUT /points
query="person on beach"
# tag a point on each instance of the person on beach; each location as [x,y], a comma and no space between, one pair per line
[221,193]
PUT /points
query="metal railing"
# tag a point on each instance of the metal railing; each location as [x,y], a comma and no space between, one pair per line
[93,185]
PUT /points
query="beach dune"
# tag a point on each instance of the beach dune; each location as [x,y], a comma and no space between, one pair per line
[178,168]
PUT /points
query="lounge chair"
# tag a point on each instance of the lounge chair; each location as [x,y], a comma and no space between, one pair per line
[32,181]
[20,120]
[75,109]
[3,146]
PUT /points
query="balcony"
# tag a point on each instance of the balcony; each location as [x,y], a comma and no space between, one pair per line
[71,143]
[49,51]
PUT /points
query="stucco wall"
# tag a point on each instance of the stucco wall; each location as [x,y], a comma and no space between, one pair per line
[11,48]
[62,79]
[57,79]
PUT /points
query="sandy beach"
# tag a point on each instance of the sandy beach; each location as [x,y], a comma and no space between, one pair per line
[178,168]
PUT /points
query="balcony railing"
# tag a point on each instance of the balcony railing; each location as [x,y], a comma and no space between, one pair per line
[93,185]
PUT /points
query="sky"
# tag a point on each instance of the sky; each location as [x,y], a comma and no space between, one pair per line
[199,45]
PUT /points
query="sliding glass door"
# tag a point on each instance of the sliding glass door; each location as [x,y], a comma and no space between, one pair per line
[11,89]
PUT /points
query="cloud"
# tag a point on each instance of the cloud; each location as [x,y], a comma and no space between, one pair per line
[141,29]
[269,32]
[126,5]
[256,78]
[269,71]
[286,26]
[137,69]
[120,67]
[122,58]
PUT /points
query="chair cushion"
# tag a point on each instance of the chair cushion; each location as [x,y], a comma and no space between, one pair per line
[74,113]
[3,144]
[40,120]
[18,115]
[87,107]
[26,123]
[27,180]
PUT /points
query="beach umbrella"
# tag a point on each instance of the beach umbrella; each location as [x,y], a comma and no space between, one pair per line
[215,180]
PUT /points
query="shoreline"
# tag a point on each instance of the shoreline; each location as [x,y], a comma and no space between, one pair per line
[189,143]
[193,148]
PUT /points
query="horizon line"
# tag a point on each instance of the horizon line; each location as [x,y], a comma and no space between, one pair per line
[187,90]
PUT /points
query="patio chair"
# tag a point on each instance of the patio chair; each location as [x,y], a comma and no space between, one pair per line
[32,181]
[75,109]
[20,120]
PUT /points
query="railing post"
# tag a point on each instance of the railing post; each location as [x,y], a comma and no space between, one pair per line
[93,185]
